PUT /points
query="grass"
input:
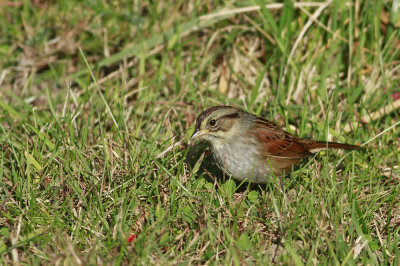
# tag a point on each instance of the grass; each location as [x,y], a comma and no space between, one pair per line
[98,99]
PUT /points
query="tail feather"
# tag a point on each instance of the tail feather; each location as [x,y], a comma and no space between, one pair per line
[322,145]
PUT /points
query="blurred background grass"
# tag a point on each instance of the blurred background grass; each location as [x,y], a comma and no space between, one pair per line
[97,97]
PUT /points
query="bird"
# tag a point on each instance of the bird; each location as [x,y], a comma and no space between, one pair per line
[250,148]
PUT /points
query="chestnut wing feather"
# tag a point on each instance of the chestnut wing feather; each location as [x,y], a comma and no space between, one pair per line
[277,142]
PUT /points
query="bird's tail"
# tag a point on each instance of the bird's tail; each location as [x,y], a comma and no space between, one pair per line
[323,145]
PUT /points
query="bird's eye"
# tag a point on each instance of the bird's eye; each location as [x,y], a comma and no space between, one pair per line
[212,122]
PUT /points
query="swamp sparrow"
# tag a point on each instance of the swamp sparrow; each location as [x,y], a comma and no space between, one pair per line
[248,147]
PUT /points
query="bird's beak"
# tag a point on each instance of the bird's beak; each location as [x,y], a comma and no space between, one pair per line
[198,134]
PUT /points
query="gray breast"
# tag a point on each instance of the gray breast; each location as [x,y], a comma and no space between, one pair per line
[239,160]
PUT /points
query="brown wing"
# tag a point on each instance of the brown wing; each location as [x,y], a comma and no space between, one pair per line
[281,149]
[277,142]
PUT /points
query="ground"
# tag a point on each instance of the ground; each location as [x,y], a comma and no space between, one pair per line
[98,99]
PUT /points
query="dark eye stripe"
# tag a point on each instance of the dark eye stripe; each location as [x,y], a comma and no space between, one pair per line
[210,110]
[233,115]
[226,126]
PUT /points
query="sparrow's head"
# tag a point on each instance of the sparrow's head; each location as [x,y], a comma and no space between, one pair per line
[218,123]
